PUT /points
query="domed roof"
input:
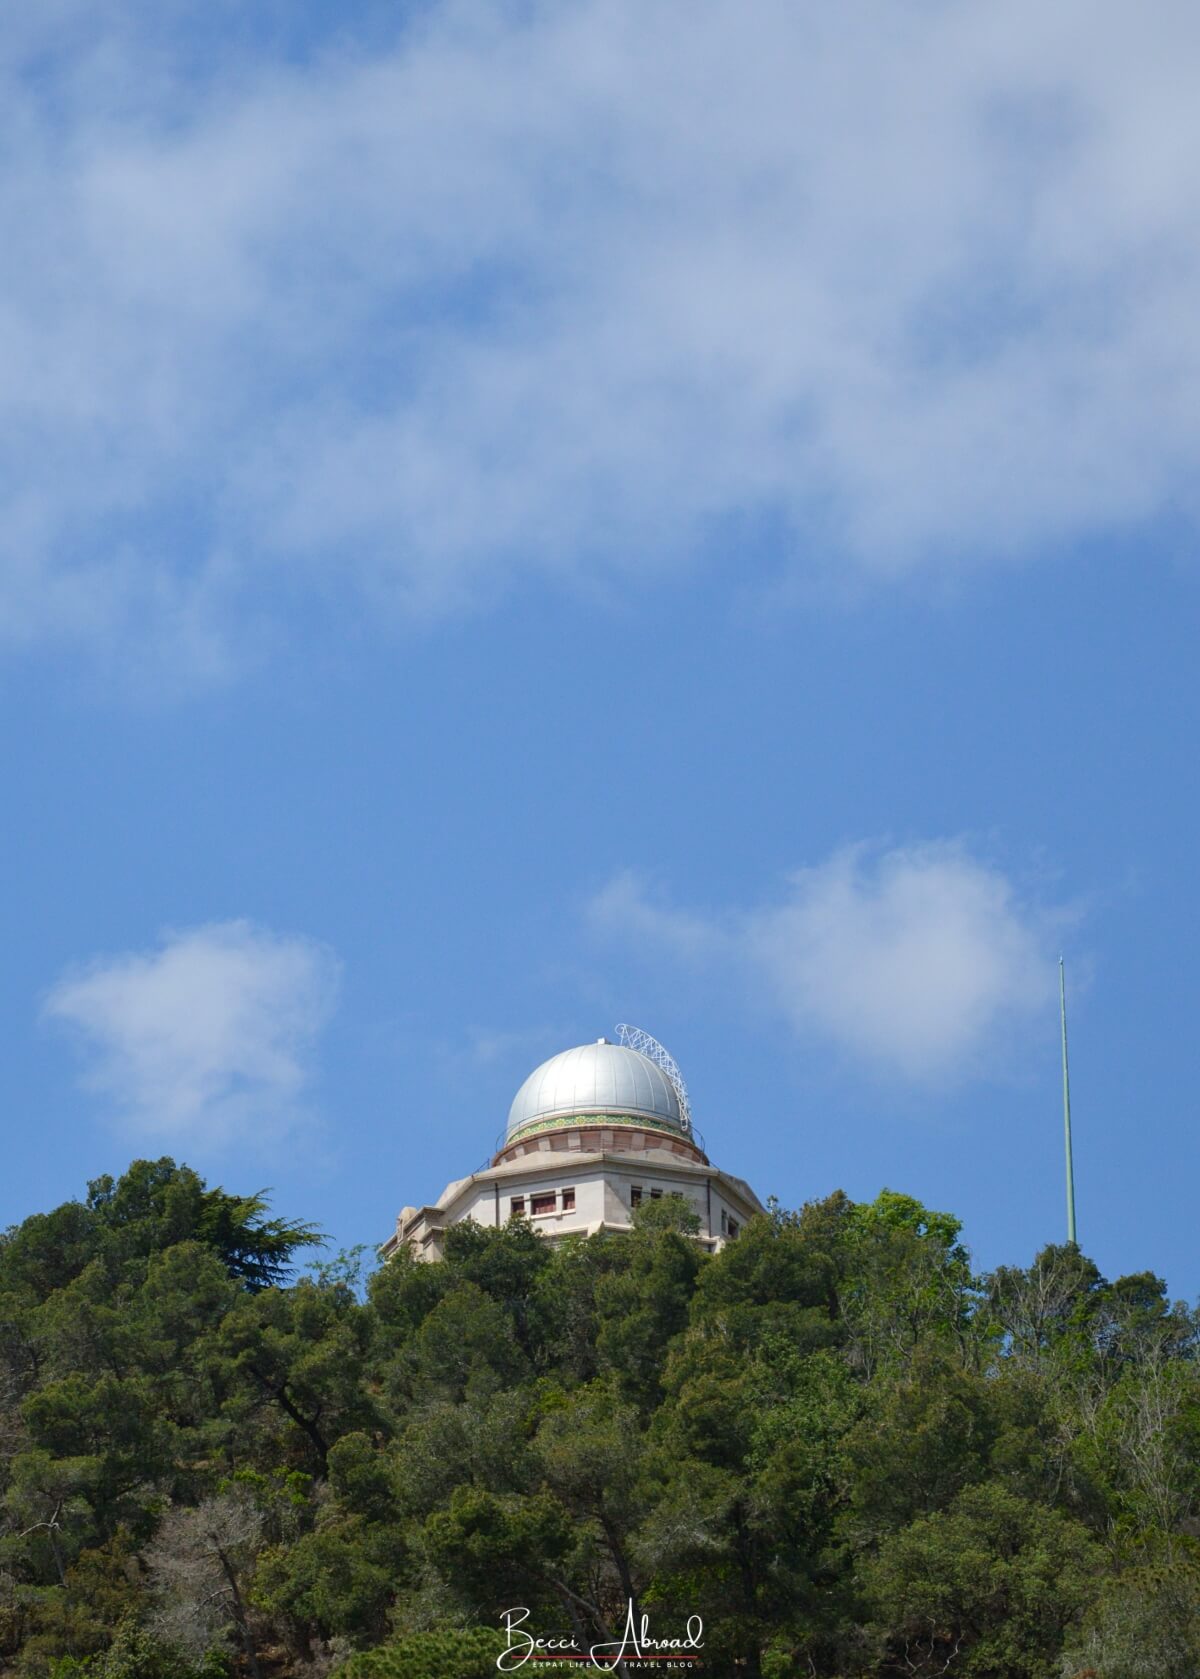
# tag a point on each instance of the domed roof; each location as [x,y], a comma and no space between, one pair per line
[595,1079]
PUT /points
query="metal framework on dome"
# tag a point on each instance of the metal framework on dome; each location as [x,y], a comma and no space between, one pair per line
[634,1038]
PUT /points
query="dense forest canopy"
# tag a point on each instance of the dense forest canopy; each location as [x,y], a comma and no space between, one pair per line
[845,1451]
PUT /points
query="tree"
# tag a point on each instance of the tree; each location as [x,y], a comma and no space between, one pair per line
[157,1204]
[591,1454]
[829,1440]
[1047,1312]
[200,1564]
[444,1653]
[925,1434]
[339,1577]
[642,1304]
[467,1343]
[988,1586]
[905,1281]
[773,1281]
[1145,1624]
[296,1356]
[500,1550]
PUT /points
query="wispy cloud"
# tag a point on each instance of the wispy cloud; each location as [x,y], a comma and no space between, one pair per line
[207,1038]
[915,962]
[558,289]
[625,907]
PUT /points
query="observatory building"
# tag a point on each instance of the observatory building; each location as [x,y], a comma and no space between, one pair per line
[592,1134]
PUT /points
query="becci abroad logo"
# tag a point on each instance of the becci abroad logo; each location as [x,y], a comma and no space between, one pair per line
[636,1649]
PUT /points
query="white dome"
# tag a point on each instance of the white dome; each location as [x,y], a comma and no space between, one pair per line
[595,1079]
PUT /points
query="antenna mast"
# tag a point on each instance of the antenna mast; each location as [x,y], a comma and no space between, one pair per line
[1062,1002]
[634,1038]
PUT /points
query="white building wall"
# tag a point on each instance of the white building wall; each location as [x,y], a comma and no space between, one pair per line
[603,1198]
[722,1211]
[616,1199]
[590,1203]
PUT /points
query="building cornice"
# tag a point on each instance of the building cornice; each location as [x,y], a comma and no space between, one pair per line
[566,1165]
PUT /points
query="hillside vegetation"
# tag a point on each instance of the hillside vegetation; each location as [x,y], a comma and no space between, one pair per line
[844,1451]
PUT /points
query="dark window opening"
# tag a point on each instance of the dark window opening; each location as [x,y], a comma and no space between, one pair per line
[543,1203]
[656,1194]
[517,1206]
[568,1200]
[635,1195]
[733,1228]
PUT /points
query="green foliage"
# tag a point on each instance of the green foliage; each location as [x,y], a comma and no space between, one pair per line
[641,1305]
[853,1457]
[773,1281]
[346,1269]
[155,1205]
[667,1212]
[987,1586]
[1145,1624]
[905,1284]
[922,1438]
[449,1653]
[468,1342]
[337,1578]
[136,1654]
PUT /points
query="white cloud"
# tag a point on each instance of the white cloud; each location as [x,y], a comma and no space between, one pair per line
[915,962]
[624,908]
[917,959]
[206,1039]
[561,288]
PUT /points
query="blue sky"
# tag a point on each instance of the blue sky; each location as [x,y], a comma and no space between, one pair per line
[519,518]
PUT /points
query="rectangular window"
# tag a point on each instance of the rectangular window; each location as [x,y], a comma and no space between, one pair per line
[656,1194]
[543,1204]
[568,1201]
[635,1195]
[733,1228]
[516,1207]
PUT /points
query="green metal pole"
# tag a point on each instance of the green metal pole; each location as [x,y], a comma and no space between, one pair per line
[1062,1000]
